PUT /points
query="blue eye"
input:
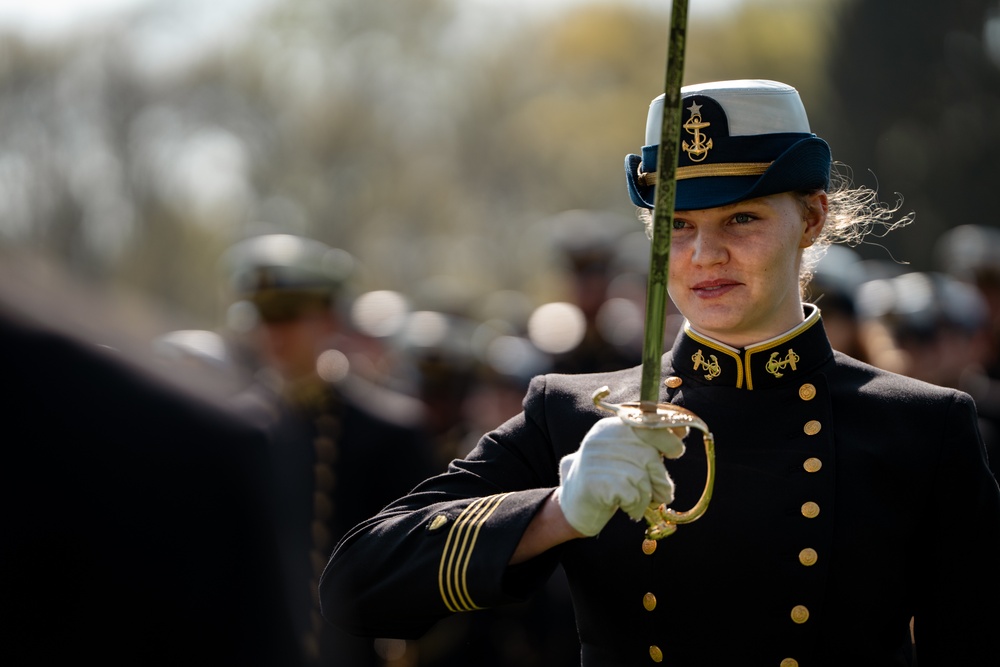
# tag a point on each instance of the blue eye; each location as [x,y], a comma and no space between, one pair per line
[743,218]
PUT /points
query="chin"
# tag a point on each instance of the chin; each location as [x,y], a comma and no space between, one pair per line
[706,321]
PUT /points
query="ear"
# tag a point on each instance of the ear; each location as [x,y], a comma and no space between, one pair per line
[814,210]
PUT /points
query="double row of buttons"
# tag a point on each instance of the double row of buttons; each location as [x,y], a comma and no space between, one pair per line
[810,510]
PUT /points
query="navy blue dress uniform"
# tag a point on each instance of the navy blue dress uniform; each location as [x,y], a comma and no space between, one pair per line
[855,500]
[337,458]
[340,447]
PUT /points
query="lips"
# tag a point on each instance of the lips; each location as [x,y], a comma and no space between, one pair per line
[713,288]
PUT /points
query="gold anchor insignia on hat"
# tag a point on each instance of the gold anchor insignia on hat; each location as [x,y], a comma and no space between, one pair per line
[775,366]
[713,367]
[698,149]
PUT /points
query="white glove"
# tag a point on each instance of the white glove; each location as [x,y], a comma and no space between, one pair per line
[616,467]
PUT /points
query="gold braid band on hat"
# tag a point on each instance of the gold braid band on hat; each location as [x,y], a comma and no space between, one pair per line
[648,178]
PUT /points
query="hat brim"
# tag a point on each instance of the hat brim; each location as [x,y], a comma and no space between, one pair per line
[805,165]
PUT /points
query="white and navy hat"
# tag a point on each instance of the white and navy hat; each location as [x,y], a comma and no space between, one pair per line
[739,140]
[286,262]
[285,276]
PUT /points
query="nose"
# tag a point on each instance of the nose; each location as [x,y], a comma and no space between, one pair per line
[708,249]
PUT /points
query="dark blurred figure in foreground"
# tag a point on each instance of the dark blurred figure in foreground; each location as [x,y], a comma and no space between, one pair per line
[133,515]
[199,359]
[341,448]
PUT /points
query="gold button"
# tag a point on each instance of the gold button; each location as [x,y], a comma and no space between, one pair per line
[673,382]
[808,556]
[807,392]
[655,653]
[800,614]
[789,662]
[648,547]
[310,646]
[318,562]
[812,465]
[328,425]
[810,510]
[322,539]
[326,450]
[322,506]
[314,590]
[324,477]
[437,522]
[316,621]
[649,601]
[812,427]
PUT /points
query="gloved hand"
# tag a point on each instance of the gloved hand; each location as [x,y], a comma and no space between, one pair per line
[616,467]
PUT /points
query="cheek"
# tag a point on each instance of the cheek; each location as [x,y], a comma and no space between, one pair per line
[680,260]
[780,260]
[674,282]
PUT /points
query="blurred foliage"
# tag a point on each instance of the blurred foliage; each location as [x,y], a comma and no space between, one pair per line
[433,146]
[918,94]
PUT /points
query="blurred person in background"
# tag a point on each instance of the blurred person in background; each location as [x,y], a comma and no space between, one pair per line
[941,332]
[825,463]
[585,244]
[938,323]
[135,511]
[971,253]
[340,446]
[833,288]
[438,366]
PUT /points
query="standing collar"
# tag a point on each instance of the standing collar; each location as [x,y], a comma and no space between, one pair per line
[771,363]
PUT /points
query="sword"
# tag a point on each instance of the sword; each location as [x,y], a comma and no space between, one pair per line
[663,213]
[648,412]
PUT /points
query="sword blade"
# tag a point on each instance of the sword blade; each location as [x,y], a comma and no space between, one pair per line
[663,213]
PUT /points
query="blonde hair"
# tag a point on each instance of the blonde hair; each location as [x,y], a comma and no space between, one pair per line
[853,214]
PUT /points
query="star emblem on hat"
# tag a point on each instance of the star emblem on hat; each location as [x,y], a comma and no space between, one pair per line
[695,109]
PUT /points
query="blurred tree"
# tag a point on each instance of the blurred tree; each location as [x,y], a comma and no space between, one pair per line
[422,137]
[783,40]
[913,111]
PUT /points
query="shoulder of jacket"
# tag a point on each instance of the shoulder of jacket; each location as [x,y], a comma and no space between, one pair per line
[623,386]
[869,379]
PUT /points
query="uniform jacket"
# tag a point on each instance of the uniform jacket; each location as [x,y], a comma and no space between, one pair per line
[338,454]
[847,500]
[132,514]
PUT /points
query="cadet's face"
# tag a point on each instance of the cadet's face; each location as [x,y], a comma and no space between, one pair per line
[292,346]
[734,270]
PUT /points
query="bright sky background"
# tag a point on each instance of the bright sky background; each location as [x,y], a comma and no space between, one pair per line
[173,33]
[44,18]
[48,15]
[52,17]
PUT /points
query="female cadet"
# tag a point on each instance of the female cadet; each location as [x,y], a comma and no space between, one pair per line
[847,500]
